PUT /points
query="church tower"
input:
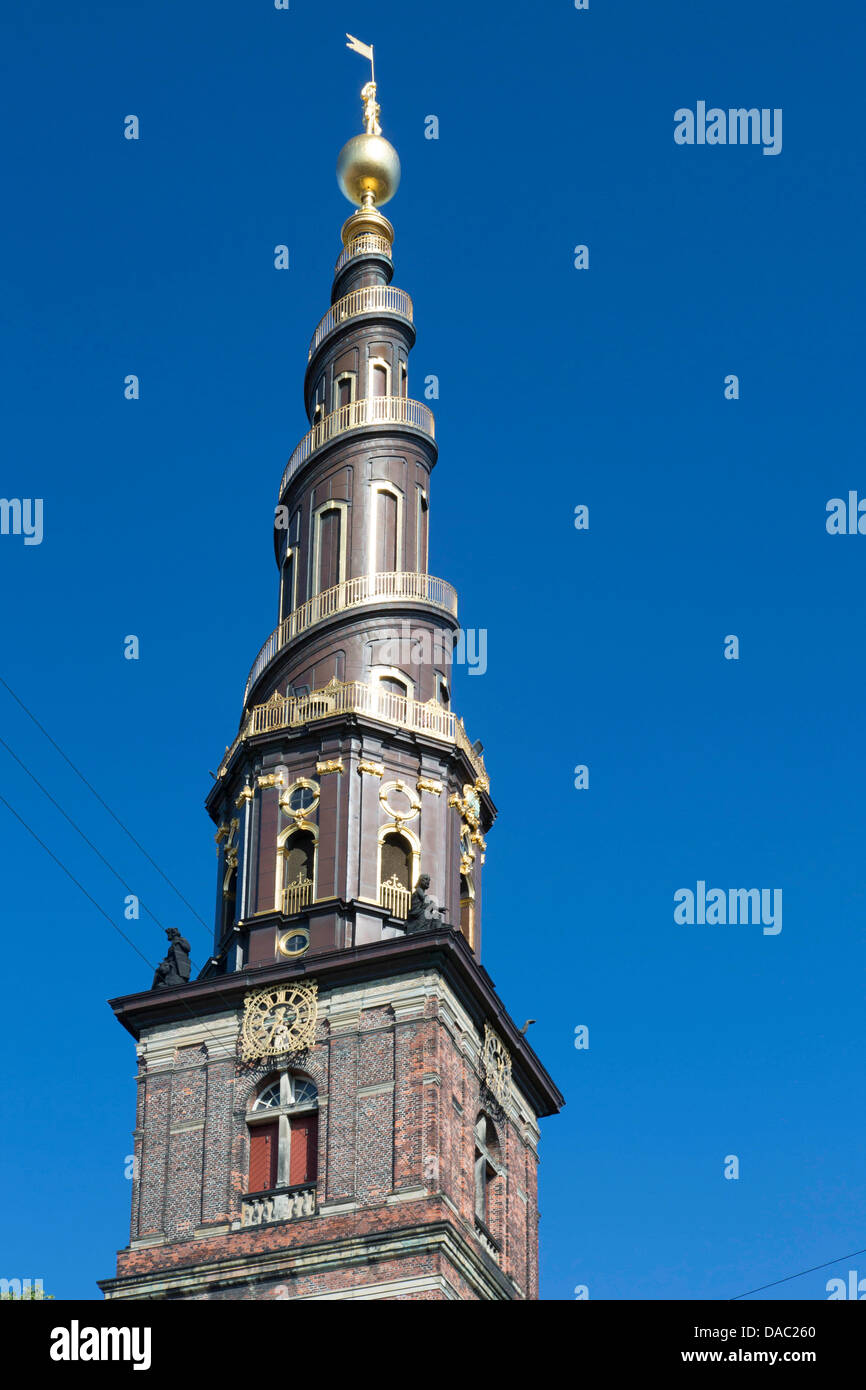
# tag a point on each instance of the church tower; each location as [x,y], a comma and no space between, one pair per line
[339,1106]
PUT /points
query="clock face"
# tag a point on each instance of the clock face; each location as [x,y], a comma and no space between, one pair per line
[280,1020]
[294,942]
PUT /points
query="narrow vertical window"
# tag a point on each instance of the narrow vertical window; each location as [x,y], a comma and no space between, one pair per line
[230,889]
[421,532]
[299,855]
[386,531]
[486,1151]
[330,522]
[379,379]
[287,597]
[344,390]
[395,875]
[467,909]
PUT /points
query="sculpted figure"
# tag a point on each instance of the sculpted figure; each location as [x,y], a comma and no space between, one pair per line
[371,109]
[424,911]
[175,968]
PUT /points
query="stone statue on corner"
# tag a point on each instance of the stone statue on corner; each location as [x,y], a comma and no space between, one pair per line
[424,911]
[175,968]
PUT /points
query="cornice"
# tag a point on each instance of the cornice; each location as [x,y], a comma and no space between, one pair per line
[445,950]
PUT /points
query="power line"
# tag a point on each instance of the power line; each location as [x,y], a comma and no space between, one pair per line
[87,895]
[193,1014]
[78,829]
[102,802]
[788,1277]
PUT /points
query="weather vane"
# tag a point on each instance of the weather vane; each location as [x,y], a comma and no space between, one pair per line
[368,91]
[368,167]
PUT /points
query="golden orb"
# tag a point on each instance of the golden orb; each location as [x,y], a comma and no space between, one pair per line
[368,164]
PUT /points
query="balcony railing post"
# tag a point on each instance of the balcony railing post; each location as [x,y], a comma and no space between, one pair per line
[397,410]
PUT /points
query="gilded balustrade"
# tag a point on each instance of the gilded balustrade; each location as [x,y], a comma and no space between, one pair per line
[369,299]
[357,697]
[352,593]
[366,245]
[369,410]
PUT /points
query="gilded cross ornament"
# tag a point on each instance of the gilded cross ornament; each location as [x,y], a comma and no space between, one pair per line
[279,1020]
[496,1065]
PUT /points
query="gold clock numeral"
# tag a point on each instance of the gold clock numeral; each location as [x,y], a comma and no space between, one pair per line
[280,1020]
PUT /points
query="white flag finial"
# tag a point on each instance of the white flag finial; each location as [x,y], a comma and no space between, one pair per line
[366,51]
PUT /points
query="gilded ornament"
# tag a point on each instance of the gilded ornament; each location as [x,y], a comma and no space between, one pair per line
[279,1020]
[496,1066]
[331,765]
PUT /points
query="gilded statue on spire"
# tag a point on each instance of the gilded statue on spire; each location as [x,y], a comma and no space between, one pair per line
[368,91]
[368,168]
[371,109]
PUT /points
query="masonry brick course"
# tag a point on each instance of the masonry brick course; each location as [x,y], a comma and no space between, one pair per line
[399,1093]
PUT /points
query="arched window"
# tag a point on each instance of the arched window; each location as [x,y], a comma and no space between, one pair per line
[387,540]
[283,1124]
[299,870]
[329,548]
[395,874]
[380,377]
[319,401]
[394,681]
[421,531]
[330,530]
[486,1167]
[467,909]
[287,588]
[230,891]
[230,876]
[344,389]
[394,685]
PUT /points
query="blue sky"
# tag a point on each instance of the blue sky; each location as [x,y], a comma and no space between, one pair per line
[559,387]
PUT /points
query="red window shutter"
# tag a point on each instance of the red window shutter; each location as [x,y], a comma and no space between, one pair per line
[304,1159]
[263,1157]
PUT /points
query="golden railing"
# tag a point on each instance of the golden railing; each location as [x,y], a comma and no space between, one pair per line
[356,697]
[367,300]
[395,897]
[298,894]
[366,245]
[370,410]
[352,593]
